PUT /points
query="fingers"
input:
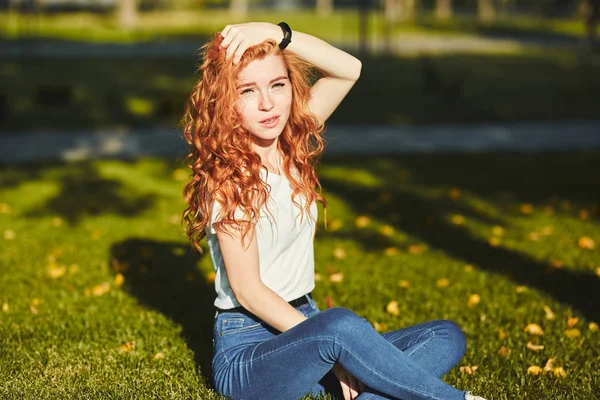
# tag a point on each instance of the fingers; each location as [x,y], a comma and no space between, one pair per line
[235,42]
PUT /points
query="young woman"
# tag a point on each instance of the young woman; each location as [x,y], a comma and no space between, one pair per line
[254,122]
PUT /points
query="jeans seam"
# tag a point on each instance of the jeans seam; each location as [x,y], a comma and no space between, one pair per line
[341,345]
[432,333]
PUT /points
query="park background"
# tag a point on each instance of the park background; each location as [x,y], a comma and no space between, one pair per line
[461,175]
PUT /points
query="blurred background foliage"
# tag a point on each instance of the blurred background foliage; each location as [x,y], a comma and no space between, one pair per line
[125,64]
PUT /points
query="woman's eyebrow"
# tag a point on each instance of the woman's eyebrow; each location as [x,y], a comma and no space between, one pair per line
[254,83]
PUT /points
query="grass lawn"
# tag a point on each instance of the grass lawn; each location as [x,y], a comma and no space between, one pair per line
[120,92]
[102,297]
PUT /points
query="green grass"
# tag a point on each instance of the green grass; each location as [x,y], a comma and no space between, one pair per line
[120,92]
[67,230]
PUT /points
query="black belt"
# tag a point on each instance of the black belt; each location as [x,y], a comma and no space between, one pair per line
[294,303]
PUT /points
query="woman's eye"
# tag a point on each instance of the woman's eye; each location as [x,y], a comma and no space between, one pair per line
[279,85]
[247,91]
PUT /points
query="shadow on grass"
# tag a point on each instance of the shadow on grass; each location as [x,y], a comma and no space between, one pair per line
[83,192]
[426,218]
[164,276]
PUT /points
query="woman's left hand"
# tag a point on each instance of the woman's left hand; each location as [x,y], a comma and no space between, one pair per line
[351,387]
[237,38]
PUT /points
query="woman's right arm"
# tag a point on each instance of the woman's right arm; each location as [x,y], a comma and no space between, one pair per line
[243,272]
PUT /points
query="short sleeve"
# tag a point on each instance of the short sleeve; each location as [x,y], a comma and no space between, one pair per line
[215,216]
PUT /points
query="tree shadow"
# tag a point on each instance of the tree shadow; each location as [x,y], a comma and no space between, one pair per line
[576,288]
[83,192]
[164,276]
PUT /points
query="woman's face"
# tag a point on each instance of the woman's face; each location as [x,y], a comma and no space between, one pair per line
[265,98]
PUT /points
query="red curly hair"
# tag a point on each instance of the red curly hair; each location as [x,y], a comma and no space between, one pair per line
[225,167]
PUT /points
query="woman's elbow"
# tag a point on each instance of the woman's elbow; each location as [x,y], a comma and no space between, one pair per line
[356,69]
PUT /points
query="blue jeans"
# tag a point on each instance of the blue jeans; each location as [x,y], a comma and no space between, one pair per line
[254,361]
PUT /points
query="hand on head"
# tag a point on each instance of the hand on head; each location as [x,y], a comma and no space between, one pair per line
[237,38]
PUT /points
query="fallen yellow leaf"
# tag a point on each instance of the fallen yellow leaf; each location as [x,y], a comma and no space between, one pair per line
[126,347]
[101,289]
[521,289]
[494,241]
[593,327]
[33,309]
[337,277]
[572,333]
[403,283]
[549,364]
[572,321]
[549,313]
[534,370]
[35,301]
[55,271]
[379,327]
[362,221]
[534,347]
[474,299]
[501,334]
[468,369]
[498,230]
[4,208]
[415,249]
[457,219]
[334,225]
[391,251]
[119,279]
[504,351]
[211,276]
[9,234]
[339,253]
[158,356]
[386,230]
[534,329]
[586,243]
[442,283]
[318,277]
[559,372]
[5,307]
[526,208]
[392,308]
[454,193]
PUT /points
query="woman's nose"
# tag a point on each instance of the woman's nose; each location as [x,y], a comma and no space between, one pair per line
[266,104]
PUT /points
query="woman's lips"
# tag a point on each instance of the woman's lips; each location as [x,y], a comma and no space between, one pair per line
[270,122]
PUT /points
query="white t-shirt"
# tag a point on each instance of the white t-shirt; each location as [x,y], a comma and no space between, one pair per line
[285,246]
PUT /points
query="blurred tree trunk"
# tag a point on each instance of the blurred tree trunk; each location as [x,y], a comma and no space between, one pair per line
[408,9]
[396,10]
[238,8]
[443,9]
[324,8]
[127,13]
[486,11]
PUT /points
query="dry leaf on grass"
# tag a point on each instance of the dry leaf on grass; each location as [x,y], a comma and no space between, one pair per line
[5,307]
[391,251]
[534,347]
[474,299]
[504,351]
[550,316]
[379,327]
[559,372]
[534,370]
[468,369]
[362,221]
[101,289]
[392,308]
[534,329]
[337,277]
[126,347]
[9,234]
[593,327]
[339,253]
[403,283]
[586,243]
[549,364]
[442,283]
[158,356]
[119,280]
[572,333]
[572,321]
[56,271]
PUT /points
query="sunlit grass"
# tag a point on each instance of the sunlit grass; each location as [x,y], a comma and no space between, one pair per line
[101,295]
